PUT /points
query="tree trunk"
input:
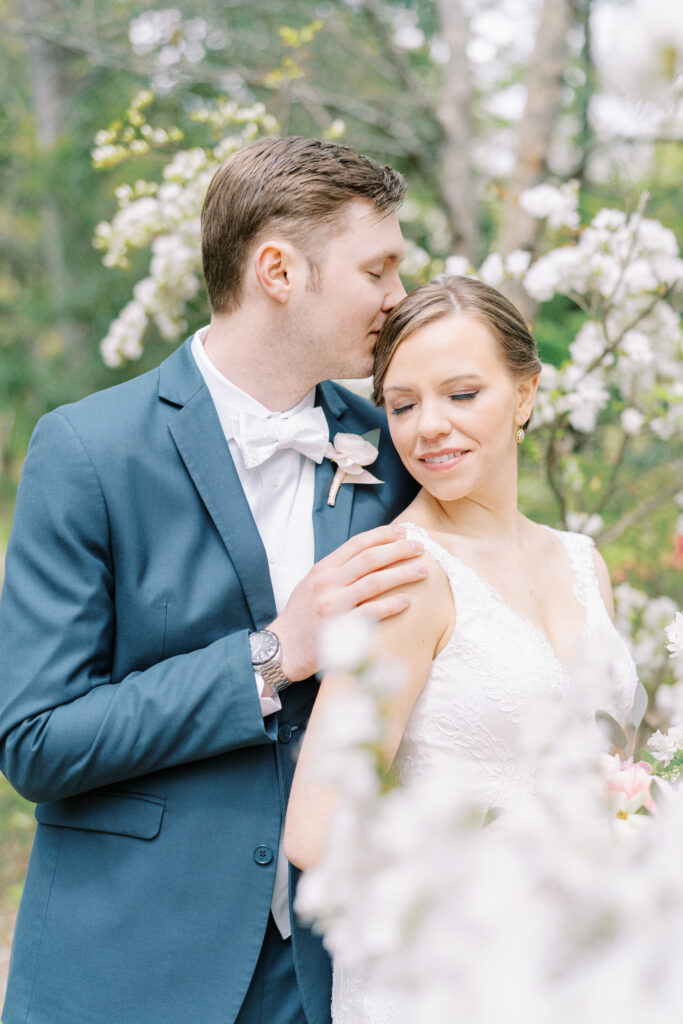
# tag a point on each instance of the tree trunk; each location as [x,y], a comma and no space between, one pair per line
[543,85]
[46,61]
[458,187]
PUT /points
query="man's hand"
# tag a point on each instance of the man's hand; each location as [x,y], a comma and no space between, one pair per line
[359,574]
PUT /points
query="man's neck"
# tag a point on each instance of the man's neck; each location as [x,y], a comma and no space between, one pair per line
[251,356]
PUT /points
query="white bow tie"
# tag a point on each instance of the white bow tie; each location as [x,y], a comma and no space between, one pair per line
[306,431]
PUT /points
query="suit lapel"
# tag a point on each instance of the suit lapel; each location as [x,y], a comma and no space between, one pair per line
[199,438]
[331,524]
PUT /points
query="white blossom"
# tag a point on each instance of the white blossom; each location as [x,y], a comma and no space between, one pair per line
[557,205]
[345,642]
[674,635]
[566,910]
[492,270]
[165,219]
[663,746]
[517,262]
[582,522]
[459,266]
[589,344]
[632,421]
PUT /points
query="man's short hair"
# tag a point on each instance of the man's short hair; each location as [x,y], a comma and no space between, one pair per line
[295,186]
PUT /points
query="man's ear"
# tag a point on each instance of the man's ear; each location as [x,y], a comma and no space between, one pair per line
[274,264]
[526,390]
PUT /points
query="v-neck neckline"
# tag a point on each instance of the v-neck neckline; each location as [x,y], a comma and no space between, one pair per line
[496,595]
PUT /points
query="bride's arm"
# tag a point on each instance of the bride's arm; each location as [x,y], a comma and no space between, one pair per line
[412,639]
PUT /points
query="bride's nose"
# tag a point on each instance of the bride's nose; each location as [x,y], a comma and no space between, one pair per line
[433,421]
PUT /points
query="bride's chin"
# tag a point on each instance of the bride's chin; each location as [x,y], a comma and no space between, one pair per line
[444,490]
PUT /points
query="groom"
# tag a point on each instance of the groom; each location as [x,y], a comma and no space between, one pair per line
[172,556]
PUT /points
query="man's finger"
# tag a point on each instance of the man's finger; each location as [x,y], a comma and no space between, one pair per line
[378,557]
[385,607]
[376,584]
[344,599]
[362,541]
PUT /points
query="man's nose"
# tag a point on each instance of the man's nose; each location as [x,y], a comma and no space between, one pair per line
[394,294]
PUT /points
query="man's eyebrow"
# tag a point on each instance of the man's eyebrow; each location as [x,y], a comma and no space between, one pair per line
[386,257]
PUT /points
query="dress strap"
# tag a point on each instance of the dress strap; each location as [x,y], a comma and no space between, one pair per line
[432,547]
[580,550]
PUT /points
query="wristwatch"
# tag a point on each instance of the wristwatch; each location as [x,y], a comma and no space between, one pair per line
[265,657]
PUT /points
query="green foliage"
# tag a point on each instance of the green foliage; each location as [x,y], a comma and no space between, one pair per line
[555,328]
[665,771]
[17,825]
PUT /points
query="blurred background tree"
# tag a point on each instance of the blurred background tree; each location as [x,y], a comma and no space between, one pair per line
[476,101]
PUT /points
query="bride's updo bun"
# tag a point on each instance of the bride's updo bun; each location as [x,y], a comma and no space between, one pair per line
[448,296]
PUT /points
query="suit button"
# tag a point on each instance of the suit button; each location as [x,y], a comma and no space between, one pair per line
[263,854]
[284,733]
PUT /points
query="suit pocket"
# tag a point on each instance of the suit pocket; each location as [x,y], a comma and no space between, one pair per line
[120,812]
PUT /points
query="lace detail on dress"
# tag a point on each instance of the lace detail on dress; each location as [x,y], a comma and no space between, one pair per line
[470,711]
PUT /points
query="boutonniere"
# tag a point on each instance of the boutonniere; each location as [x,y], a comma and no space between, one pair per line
[351,452]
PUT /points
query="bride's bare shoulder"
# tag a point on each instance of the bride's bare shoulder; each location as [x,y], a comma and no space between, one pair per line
[418,512]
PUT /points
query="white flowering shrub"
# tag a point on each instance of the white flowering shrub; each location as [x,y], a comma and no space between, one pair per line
[645,623]
[164,217]
[618,397]
[568,907]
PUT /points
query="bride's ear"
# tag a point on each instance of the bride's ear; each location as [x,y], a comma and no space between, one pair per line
[526,392]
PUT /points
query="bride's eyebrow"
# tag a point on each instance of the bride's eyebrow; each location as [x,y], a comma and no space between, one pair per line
[471,378]
[460,378]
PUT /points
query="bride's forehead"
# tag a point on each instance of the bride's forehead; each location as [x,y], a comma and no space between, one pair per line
[460,342]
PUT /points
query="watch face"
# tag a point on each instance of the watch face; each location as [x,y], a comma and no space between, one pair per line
[264,646]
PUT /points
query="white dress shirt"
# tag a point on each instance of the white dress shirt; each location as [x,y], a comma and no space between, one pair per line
[280,496]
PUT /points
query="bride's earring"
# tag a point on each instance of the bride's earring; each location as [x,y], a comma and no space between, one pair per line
[519,435]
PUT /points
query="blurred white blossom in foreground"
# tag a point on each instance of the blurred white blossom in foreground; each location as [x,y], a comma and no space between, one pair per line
[568,907]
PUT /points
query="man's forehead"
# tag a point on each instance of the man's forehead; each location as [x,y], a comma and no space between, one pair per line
[381,226]
[364,212]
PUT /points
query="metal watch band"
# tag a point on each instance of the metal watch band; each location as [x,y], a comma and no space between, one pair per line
[274,676]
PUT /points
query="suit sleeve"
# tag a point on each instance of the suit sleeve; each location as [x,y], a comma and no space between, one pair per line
[66,726]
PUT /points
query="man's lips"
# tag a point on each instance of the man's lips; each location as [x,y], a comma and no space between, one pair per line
[437,462]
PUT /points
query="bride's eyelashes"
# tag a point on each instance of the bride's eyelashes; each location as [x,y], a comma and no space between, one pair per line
[461,396]
[400,409]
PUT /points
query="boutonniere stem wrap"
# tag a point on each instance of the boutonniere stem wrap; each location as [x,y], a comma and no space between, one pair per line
[351,452]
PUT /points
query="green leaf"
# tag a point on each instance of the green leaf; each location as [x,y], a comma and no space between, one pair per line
[491,815]
[639,705]
[372,436]
[611,730]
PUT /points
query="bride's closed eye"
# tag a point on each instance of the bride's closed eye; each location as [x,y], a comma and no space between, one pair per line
[401,408]
[462,396]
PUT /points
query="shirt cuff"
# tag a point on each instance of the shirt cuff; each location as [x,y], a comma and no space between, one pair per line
[269,705]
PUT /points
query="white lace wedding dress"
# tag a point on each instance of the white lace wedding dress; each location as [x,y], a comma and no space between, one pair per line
[475,698]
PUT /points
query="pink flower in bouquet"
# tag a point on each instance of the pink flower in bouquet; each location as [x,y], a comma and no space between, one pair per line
[629,787]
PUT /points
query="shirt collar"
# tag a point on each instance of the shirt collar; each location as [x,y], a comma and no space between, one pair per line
[230,399]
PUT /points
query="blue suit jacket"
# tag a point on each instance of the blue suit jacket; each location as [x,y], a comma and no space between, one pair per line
[128,710]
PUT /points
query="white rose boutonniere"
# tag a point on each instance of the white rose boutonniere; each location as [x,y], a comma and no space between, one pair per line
[352,452]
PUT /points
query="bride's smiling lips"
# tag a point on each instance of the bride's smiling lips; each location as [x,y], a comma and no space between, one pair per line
[445,459]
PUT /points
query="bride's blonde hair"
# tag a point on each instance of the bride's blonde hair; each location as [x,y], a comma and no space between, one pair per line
[449,296]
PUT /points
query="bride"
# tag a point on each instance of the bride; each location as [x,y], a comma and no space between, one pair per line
[506,604]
